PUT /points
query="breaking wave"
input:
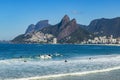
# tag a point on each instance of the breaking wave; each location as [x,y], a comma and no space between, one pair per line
[71,74]
[18,69]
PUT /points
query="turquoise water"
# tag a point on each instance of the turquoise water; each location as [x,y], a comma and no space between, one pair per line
[9,51]
[23,60]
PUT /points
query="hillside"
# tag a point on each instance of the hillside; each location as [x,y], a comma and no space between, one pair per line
[105,27]
[66,31]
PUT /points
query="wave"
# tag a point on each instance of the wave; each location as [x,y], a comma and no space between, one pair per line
[71,74]
[20,70]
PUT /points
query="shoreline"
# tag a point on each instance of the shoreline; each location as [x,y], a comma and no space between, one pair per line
[68,44]
[103,44]
[70,74]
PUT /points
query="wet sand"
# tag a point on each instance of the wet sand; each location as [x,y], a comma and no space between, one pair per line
[111,75]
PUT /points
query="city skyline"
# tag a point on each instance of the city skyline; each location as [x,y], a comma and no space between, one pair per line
[16,15]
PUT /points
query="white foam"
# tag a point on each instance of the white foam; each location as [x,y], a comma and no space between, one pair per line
[52,68]
[71,74]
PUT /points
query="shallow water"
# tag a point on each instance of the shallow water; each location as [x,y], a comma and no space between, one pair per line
[112,75]
[81,58]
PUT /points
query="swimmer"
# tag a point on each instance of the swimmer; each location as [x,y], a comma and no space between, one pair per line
[66,61]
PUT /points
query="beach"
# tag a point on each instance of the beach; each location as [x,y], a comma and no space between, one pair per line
[104,74]
[112,75]
[109,75]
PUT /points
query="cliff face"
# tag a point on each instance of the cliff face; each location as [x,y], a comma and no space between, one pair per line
[69,31]
[69,28]
[30,29]
[56,29]
[66,31]
[34,28]
[105,27]
[34,35]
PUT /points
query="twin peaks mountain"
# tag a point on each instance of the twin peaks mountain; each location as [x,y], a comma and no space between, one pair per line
[68,31]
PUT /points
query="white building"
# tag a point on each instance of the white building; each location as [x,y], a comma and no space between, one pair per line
[54,40]
[103,40]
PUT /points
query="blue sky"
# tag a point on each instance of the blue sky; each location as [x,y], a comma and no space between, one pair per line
[16,15]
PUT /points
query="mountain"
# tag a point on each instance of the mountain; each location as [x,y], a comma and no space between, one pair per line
[33,34]
[30,29]
[66,31]
[57,28]
[41,24]
[105,27]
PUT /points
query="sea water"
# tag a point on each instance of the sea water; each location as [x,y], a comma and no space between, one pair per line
[22,61]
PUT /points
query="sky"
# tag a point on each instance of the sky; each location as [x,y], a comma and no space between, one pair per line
[16,15]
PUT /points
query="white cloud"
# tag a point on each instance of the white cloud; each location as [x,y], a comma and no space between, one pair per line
[76,12]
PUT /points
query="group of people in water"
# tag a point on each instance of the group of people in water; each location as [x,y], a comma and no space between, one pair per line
[49,56]
[45,57]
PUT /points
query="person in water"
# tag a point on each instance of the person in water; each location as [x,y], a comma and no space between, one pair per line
[90,58]
[21,56]
[49,55]
[25,61]
[66,61]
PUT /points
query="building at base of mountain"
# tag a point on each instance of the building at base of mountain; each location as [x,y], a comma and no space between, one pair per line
[54,40]
[40,37]
[102,40]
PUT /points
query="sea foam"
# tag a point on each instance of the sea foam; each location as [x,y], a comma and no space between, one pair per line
[71,74]
[20,70]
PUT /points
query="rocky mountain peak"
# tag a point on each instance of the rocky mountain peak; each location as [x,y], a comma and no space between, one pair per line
[66,17]
[66,31]
[41,24]
[105,27]
[30,28]
[73,21]
[65,20]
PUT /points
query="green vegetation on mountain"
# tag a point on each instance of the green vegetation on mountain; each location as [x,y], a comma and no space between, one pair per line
[66,31]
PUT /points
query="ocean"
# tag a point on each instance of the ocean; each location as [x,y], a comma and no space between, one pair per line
[27,61]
